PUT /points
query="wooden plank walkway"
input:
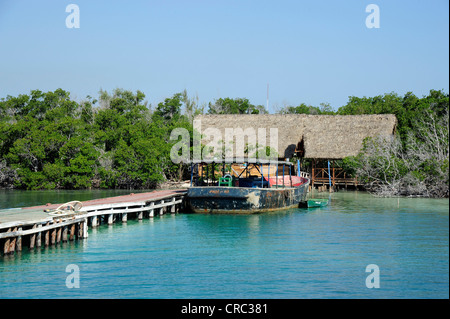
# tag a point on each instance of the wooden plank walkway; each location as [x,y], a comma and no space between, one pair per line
[35,227]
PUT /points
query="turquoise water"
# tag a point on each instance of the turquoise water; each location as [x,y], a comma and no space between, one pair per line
[298,253]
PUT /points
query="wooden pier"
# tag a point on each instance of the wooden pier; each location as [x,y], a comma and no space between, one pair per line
[321,176]
[34,227]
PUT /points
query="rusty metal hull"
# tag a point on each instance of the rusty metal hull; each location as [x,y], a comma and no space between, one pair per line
[244,200]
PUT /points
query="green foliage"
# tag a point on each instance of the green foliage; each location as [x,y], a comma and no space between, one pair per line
[323,109]
[408,109]
[416,162]
[169,109]
[235,106]
[49,141]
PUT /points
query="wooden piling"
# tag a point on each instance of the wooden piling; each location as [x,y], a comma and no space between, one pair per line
[65,233]
[47,236]
[7,244]
[39,237]
[85,228]
[161,210]
[151,211]
[80,230]
[19,241]
[12,245]
[72,232]
[172,208]
[53,236]
[59,233]
[33,238]
[94,221]
[141,214]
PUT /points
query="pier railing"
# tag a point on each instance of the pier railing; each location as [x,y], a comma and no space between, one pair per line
[110,213]
[337,176]
[34,229]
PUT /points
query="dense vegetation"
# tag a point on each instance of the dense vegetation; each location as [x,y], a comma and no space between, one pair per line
[415,162]
[50,141]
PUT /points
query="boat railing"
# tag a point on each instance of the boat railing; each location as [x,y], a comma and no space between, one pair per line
[304,175]
[267,175]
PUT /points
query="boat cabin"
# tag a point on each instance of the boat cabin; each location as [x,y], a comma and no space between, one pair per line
[246,174]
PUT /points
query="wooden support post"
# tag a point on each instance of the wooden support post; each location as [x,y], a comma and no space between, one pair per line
[151,211]
[39,237]
[7,244]
[80,230]
[58,234]
[124,217]
[47,236]
[85,228]
[110,219]
[172,208]
[313,172]
[161,211]
[33,238]
[329,177]
[12,245]
[65,233]
[19,241]
[72,232]
[94,222]
[334,174]
[53,237]
[141,214]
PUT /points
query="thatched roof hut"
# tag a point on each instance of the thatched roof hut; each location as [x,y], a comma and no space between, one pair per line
[312,136]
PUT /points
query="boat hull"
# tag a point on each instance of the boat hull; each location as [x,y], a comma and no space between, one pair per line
[294,181]
[244,200]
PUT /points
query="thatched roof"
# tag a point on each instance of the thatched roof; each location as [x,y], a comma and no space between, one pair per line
[324,136]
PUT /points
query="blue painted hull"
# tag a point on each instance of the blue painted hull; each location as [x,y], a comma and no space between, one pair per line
[244,200]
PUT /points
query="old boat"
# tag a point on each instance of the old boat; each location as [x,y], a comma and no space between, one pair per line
[244,188]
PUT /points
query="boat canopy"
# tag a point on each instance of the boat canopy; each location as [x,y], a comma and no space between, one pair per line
[256,162]
[249,173]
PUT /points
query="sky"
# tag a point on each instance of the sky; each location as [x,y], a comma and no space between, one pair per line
[302,51]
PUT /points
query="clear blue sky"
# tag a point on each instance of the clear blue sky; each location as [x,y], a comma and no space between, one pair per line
[308,51]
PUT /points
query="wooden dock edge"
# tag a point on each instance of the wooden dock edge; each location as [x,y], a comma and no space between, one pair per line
[53,230]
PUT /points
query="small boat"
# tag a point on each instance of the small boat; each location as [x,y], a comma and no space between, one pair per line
[315,202]
[244,189]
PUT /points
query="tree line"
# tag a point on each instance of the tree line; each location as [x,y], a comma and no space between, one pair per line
[414,162]
[50,141]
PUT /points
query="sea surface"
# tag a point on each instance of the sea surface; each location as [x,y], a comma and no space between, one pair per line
[293,254]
